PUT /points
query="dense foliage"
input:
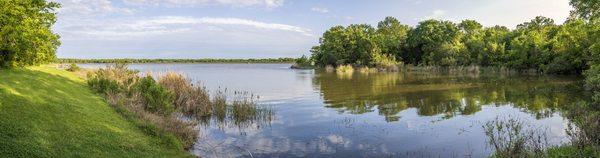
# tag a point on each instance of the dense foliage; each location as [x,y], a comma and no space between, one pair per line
[26,37]
[156,98]
[539,45]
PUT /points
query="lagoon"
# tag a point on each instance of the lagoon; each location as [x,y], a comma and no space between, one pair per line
[408,114]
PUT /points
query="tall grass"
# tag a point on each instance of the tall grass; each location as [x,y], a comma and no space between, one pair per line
[157,106]
[344,69]
[189,98]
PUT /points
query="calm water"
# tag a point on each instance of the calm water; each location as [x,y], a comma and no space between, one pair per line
[320,114]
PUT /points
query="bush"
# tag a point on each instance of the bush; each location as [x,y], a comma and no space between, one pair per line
[593,77]
[302,63]
[385,62]
[514,138]
[73,67]
[156,98]
[104,85]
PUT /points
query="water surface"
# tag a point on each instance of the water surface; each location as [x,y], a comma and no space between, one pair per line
[319,114]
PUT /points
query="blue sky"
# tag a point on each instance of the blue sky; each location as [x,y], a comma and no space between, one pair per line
[255,28]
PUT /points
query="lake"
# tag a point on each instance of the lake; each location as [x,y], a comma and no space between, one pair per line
[320,114]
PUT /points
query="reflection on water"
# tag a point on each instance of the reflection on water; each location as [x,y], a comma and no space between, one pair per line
[320,114]
[391,93]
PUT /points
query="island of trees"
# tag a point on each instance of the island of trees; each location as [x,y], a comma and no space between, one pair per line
[539,44]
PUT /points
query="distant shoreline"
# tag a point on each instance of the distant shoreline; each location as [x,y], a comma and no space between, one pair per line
[205,60]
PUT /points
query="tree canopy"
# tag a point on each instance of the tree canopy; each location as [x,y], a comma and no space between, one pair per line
[539,44]
[26,37]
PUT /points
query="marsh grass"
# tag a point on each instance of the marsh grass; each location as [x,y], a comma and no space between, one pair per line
[158,107]
[241,110]
[344,69]
[512,137]
[190,99]
[367,70]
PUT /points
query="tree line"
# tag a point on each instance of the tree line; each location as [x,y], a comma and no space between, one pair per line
[204,60]
[539,44]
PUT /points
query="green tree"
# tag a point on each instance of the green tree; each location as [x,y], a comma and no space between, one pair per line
[474,43]
[529,45]
[332,47]
[586,9]
[26,37]
[391,37]
[435,42]
[494,49]
[569,46]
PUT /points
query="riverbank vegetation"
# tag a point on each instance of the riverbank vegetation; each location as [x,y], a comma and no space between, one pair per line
[47,112]
[537,46]
[173,106]
[205,60]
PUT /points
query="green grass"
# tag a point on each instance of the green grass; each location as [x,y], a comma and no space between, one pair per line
[45,112]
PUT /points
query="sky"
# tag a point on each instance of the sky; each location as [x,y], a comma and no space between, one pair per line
[255,28]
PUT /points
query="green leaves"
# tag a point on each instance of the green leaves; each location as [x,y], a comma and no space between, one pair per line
[26,37]
[586,9]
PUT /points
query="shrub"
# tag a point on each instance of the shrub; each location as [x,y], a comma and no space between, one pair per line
[593,77]
[103,85]
[584,125]
[385,62]
[302,63]
[73,67]
[156,98]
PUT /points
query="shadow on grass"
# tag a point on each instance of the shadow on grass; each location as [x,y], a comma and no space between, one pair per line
[48,113]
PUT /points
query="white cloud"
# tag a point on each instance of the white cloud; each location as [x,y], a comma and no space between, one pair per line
[235,3]
[167,25]
[509,14]
[90,7]
[319,9]
[436,14]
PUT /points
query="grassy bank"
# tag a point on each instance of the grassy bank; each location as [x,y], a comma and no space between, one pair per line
[45,112]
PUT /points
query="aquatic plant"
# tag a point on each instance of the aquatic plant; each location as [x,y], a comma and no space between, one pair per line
[512,137]
[161,106]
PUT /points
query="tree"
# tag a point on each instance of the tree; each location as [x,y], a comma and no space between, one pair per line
[494,49]
[586,9]
[331,47]
[474,43]
[391,37]
[529,44]
[26,37]
[435,42]
[568,49]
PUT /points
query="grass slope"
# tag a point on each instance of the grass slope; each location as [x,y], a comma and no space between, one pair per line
[45,112]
